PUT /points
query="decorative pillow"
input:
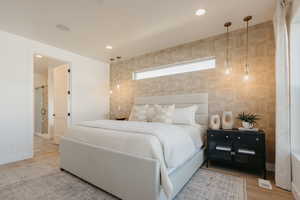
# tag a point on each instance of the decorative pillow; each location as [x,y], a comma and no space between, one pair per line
[163,114]
[150,113]
[185,115]
[139,113]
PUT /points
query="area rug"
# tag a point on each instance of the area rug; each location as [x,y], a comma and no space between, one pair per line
[54,184]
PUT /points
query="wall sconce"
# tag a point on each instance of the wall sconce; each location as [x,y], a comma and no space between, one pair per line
[118,86]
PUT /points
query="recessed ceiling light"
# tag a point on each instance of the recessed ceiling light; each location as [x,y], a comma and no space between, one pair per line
[62,27]
[108,47]
[38,56]
[200,12]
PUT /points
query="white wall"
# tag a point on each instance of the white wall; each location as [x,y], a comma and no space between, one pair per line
[89,85]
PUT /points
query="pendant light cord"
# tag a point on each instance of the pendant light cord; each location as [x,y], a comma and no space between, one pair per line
[227,48]
[247,49]
[228,68]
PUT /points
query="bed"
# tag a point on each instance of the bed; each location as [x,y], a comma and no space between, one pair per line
[96,152]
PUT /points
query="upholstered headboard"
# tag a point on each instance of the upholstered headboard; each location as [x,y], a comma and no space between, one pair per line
[200,99]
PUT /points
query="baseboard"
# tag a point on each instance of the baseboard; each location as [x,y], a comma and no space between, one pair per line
[16,157]
[295,192]
[270,167]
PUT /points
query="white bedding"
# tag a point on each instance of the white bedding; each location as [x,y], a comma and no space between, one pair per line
[170,144]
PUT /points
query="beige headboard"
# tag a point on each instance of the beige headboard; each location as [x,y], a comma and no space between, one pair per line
[200,99]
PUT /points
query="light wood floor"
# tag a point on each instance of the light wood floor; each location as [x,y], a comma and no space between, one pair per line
[45,150]
[254,192]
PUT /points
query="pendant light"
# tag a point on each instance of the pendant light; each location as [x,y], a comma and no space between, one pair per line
[228,68]
[246,76]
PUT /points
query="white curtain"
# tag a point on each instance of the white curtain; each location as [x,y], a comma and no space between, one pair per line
[283,138]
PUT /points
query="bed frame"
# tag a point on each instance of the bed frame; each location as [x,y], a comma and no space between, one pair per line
[126,176]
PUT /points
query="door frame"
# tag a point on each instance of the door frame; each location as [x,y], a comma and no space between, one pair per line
[69,120]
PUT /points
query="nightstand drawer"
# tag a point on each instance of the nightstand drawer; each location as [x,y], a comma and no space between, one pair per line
[249,139]
[248,142]
[220,155]
[249,161]
[220,147]
[224,139]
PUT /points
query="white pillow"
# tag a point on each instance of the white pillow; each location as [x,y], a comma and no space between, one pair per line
[139,113]
[163,114]
[185,115]
[150,113]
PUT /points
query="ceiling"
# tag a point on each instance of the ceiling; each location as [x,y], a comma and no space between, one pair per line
[41,65]
[131,27]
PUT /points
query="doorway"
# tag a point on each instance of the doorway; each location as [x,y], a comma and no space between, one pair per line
[51,102]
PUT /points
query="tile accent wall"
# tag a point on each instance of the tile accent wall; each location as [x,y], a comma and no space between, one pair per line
[226,93]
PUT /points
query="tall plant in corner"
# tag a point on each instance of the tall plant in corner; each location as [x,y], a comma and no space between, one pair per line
[248,119]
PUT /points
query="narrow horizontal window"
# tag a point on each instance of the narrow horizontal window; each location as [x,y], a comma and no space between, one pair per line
[191,66]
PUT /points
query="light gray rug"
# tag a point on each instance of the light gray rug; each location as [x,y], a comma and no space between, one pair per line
[44,181]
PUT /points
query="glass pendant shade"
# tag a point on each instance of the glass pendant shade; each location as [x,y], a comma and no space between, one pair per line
[246,76]
[228,69]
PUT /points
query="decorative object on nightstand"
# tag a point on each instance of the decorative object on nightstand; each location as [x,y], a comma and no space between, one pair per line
[248,120]
[239,149]
[227,120]
[215,122]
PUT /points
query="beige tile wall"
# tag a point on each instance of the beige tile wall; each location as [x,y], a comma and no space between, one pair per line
[226,93]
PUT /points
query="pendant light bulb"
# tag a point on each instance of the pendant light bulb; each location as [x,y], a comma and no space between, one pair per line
[227,71]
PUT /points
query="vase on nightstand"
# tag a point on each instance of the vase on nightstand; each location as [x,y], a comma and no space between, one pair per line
[215,122]
[227,120]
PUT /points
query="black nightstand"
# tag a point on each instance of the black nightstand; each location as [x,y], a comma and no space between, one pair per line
[239,149]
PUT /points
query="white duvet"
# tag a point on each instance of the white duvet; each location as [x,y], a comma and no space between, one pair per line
[170,144]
